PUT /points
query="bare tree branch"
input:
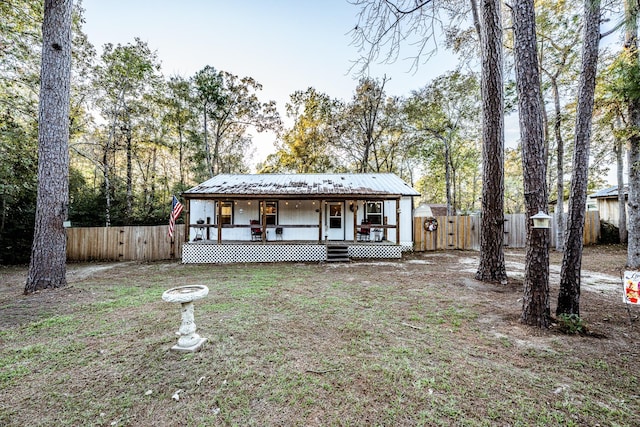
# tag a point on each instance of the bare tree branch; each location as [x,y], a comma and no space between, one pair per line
[384,25]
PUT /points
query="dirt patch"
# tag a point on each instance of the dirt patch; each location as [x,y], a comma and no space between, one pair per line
[18,308]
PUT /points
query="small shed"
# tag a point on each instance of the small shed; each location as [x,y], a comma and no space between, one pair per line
[273,217]
[606,201]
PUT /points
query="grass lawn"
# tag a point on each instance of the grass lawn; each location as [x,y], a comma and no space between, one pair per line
[412,342]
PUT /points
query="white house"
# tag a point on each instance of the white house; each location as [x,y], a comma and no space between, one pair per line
[298,217]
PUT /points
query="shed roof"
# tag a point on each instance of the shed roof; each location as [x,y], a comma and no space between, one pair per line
[303,185]
[611,192]
[438,209]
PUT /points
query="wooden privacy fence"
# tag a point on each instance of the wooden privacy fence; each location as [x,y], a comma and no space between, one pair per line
[136,243]
[463,232]
[152,243]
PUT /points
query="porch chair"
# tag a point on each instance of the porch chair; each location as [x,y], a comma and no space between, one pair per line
[256,230]
[364,233]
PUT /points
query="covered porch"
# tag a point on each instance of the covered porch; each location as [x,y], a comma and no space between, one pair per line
[268,218]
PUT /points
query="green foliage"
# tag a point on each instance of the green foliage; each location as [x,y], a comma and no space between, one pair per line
[20,28]
[513,190]
[571,324]
[229,107]
[18,188]
[16,234]
[151,141]
[624,78]
[306,147]
[444,116]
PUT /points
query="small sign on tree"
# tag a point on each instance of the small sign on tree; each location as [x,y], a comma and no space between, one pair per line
[631,290]
[630,282]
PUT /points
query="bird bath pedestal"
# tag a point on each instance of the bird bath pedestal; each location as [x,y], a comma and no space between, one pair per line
[189,341]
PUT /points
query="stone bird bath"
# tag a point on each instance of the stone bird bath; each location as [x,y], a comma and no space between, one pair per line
[189,341]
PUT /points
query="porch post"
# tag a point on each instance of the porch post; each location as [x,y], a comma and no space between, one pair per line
[218,220]
[321,207]
[398,221]
[355,221]
[187,220]
[263,209]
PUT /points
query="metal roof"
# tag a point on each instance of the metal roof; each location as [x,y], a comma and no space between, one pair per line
[303,185]
[608,192]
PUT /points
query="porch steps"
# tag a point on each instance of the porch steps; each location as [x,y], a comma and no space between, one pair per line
[338,253]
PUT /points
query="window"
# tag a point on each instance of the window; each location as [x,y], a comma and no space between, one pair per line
[270,213]
[373,212]
[335,215]
[226,211]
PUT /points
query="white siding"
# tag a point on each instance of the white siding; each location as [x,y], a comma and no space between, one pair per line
[297,213]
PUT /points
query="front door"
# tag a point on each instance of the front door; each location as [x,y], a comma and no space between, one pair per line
[334,223]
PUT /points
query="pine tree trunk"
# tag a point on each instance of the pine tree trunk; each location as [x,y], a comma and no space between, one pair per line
[207,148]
[557,129]
[107,184]
[535,305]
[181,155]
[491,267]
[622,214]
[129,148]
[569,295]
[633,108]
[47,268]
[447,176]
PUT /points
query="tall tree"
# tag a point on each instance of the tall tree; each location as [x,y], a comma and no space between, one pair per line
[633,113]
[47,268]
[535,304]
[306,147]
[445,117]
[569,295]
[20,65]
[208,95]
[620,152]
[385,24]
[611,122]
[513,190]
[365,116]
[125,75]
[491,267]
[558,27]
[177,118]
[231,108]
[396,152]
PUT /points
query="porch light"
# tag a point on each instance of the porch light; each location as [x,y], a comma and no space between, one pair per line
[541,220]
